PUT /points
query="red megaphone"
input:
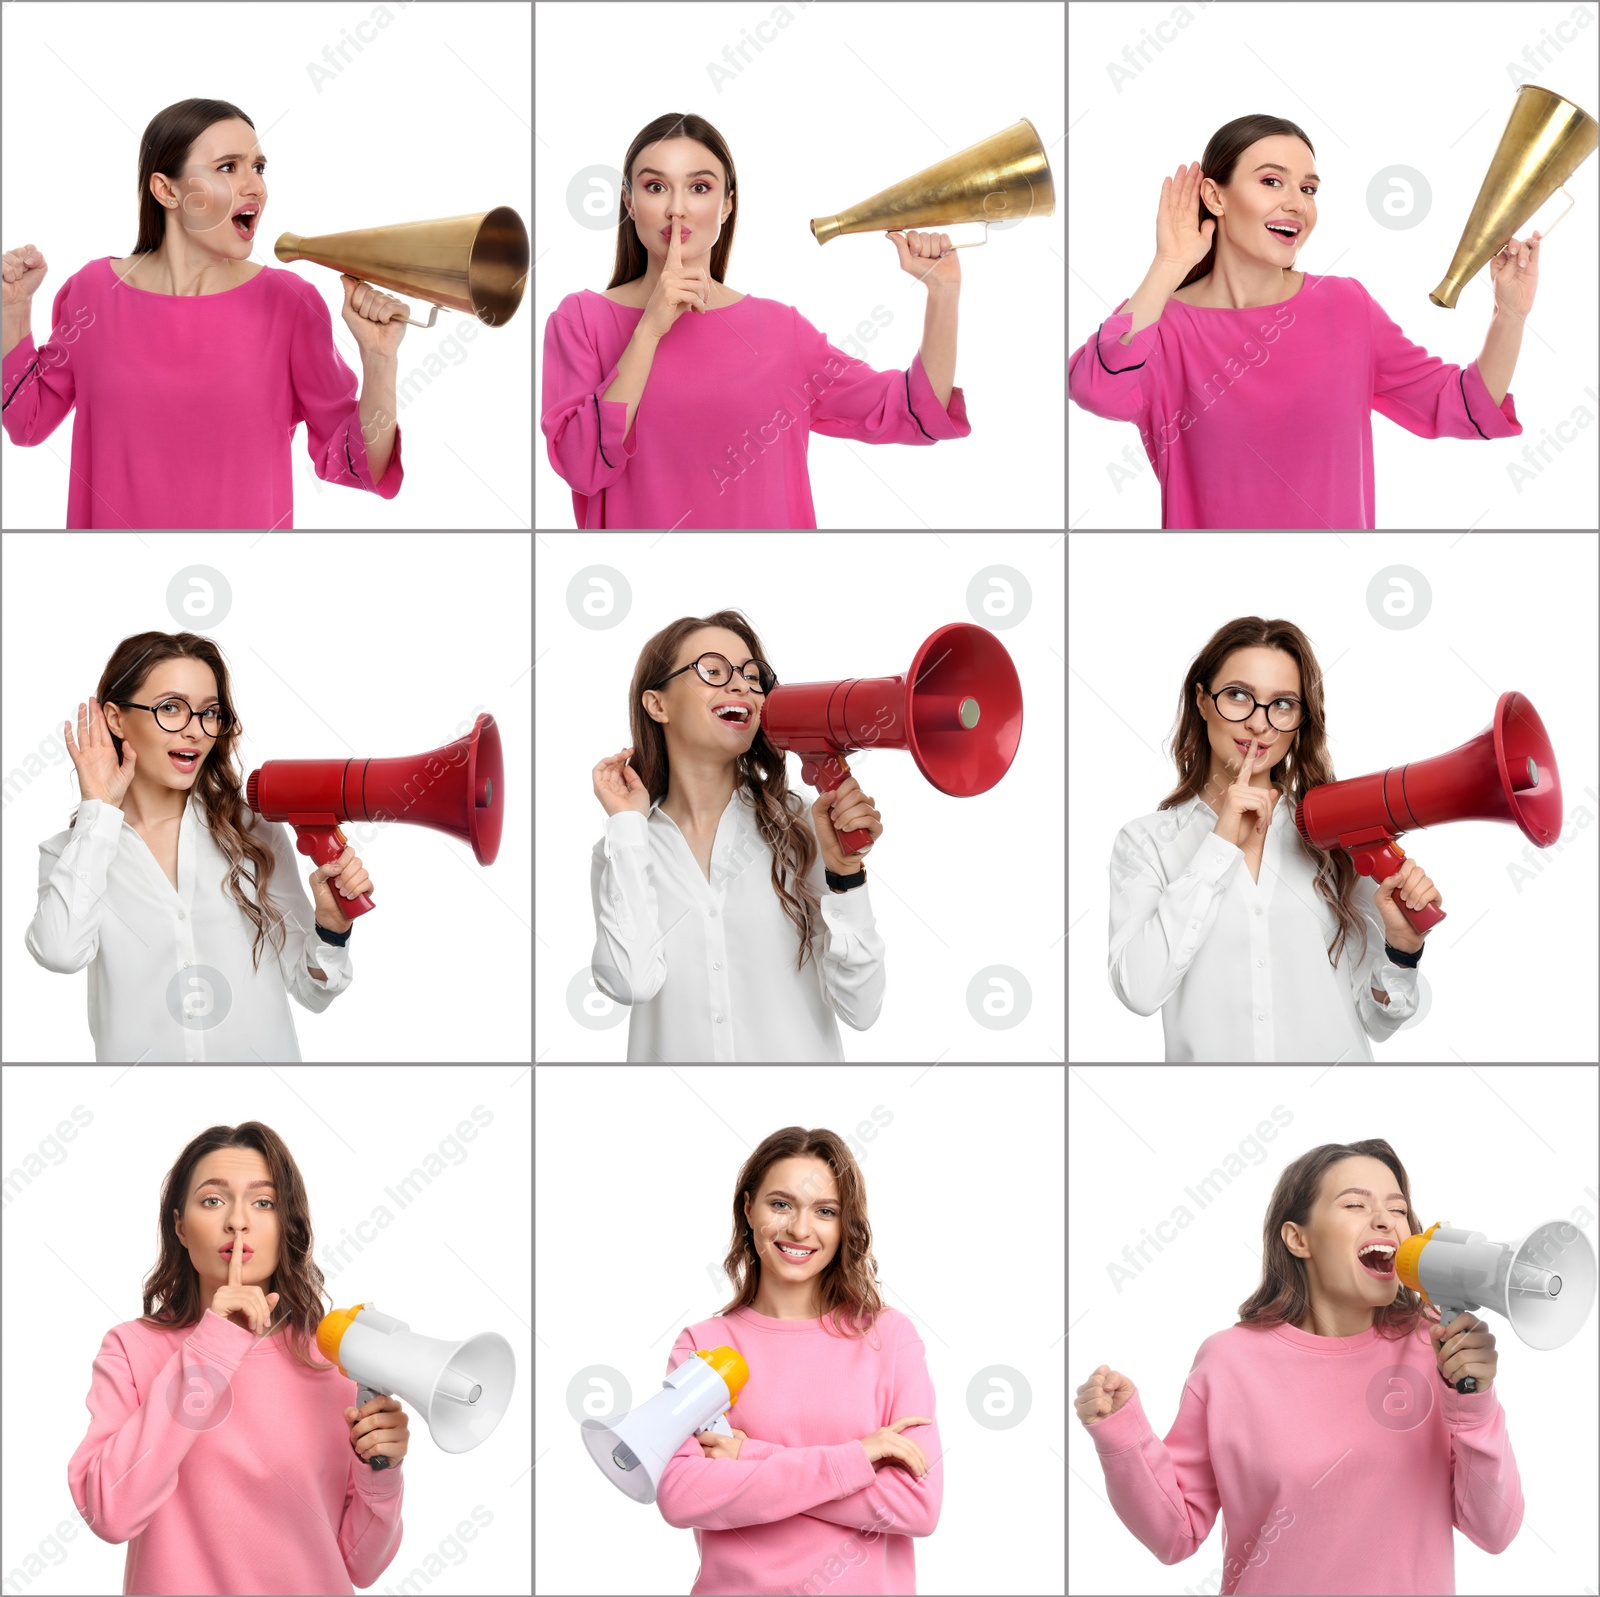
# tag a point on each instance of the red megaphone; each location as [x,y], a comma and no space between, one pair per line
[957,711]
[459,789]
[1506,773]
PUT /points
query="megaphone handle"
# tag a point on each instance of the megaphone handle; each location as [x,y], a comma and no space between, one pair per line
[1557,223]
[364,1395]
[1380,861]
[826,772]
[1467,1383]
[323,845]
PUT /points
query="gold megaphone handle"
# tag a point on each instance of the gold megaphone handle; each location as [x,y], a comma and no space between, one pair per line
[433,311]
[1557,223]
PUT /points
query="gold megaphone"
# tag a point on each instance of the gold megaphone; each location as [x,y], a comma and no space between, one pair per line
[999,179]
[1546,140]
[477,264]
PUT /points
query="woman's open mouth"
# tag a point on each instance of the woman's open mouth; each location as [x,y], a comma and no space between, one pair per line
[184,763]
[1377,1259]
[244,222]
[794,1256]
[736,716]
[1283,235]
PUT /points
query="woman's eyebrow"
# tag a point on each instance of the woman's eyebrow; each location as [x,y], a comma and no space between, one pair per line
[1366,1192]
[187,700]
[703,172]
[1238,682]
[236,156]
[214,1181]
[778,1192]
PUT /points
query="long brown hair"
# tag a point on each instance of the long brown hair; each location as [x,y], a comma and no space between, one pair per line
[218,787]
[848,1287]
[172,1288]
[763,774]
[1222,154]
[1282,1298]
[631,259]
[165,148]
[1305,765]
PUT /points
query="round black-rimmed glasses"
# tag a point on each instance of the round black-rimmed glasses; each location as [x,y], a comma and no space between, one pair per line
[716,670]
[1227,701]
[174,715]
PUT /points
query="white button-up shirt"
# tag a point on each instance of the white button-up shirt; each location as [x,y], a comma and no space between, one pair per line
[171,975]
[708,967]
[1239,968]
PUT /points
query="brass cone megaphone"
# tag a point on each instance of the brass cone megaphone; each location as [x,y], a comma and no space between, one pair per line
[1546,140]
[477,264]
[1003,178]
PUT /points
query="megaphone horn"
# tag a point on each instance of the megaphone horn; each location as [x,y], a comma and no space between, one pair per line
[1545,141]
[476,264]
[1002,178]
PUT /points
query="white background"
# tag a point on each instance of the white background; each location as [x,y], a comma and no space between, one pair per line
[1150,85]
[371,116]
[823,106]
[1509,973]
[337,647]
[958,884]
[1498,1150]
[408,1213]
[674,1141]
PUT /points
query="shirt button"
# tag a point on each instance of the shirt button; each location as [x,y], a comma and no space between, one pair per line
[718,1019]
[716,964]
[1258,909]
[1261,962]
[1261,1017]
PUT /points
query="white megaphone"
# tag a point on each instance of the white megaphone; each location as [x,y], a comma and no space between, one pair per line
[633,1452]
[460,1388]
[1544,1285]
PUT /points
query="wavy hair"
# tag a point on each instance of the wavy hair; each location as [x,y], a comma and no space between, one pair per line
[762,774]
[1283,1297]
[1305,764]
[165,148]
[1221,156]
[848,1287]
[631,256]
[172,1288]
[218,786]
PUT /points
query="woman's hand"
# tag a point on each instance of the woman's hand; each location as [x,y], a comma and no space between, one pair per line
[349,876]
[248,1307]
[715,1445]
[888,1446]
[846,809]
[23,270]
[618,786]
[1245,809]
[95,756]
[1465,1347]
[1413,889]
[676,291]
[370,316]
[1103,1393]
[1182,239]
[1515,273]
[374,1429]
[929,257]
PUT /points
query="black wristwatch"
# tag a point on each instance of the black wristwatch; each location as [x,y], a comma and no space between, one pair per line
[1408,960]
[843,884]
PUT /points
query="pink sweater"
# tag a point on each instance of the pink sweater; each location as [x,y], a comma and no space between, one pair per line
[1263,417]
[1339,1465]
[227,1467]
[722,429]
[802,1507]
[188,404]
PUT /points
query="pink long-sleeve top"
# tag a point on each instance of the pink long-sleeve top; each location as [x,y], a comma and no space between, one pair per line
[721,433]
[187,404]
[1339,1464]
[1263,417]
[227,1466]
[779,1518]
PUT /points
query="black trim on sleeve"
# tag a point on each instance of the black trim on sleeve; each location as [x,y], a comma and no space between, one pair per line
[1114,371]
[20,381]
[1461,383]
[914,416]
[597,438]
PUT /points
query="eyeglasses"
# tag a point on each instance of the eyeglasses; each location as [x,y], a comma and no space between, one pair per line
[717,669]
[1285,714]
[174,715]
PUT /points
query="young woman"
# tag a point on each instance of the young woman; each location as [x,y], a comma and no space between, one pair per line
[835,1454]
[220,1448]
[708,882]
[727,395]
[169,903]
[190,365]
[1324,1425]
[1253,384]
[1251,943]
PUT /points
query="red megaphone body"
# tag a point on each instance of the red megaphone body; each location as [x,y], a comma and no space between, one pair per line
[459,789]
[1506,773]
[957,711]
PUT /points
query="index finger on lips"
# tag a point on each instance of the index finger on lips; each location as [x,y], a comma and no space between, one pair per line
[236,1264]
